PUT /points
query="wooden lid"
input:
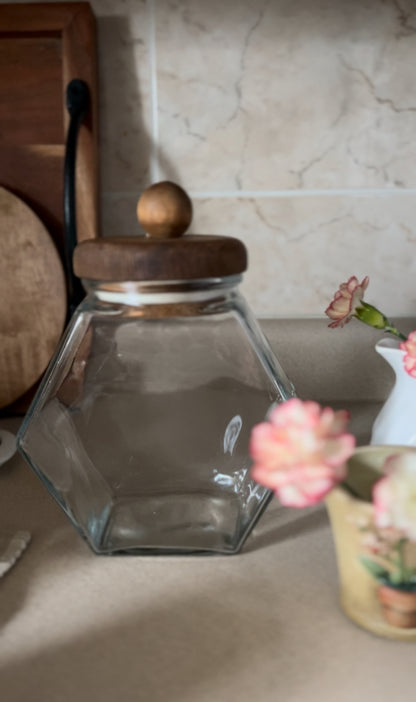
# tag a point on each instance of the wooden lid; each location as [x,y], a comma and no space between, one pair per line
[165,212]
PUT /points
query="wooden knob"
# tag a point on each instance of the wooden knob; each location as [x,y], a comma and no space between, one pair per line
[164,211]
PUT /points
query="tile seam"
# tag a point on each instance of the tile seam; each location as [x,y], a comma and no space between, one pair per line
[154,157]
[265,194]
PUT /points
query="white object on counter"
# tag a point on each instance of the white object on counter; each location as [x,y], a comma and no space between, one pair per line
[11,548]
[395,424]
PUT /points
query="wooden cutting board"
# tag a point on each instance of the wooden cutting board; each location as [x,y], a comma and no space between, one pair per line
[32,297]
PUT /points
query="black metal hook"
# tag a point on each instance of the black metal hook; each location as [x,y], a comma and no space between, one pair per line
[77,103]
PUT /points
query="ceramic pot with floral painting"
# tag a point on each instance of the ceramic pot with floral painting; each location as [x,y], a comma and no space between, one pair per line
[376,561]
[304,453]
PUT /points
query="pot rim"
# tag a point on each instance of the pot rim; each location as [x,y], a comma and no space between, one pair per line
[358,488]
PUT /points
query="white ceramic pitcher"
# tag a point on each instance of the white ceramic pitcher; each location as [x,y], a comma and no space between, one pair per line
[396,422]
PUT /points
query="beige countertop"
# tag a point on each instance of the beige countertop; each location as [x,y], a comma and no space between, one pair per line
[263,625]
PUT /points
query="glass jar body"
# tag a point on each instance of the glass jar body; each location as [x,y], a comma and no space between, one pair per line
[141,427]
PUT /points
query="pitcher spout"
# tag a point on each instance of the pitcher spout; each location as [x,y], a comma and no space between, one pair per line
[390,350]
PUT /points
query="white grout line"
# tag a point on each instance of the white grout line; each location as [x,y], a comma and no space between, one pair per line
[250,194]
[154,160]
[300,193]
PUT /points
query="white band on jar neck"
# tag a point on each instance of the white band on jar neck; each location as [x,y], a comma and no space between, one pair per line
[165,292]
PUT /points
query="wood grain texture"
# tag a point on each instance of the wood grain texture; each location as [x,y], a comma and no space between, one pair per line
[40,186]
[32,298]
[43,46]
[139,258]
[164,210]
[31,109]
[80,61]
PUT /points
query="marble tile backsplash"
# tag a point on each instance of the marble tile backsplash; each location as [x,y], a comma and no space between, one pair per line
[286,95]
[292,123]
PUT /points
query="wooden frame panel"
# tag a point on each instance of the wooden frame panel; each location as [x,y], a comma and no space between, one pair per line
[31,160]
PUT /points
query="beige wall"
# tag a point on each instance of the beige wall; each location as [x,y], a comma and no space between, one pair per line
[291,122]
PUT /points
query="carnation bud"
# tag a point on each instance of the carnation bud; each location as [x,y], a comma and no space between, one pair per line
[371,315]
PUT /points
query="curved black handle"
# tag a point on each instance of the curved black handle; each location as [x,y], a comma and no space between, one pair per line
[77,103]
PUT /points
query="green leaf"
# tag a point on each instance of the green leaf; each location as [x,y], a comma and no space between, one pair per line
[396,578]
[409,575]
[375,569]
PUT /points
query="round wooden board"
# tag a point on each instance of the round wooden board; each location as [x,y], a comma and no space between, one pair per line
[32,298]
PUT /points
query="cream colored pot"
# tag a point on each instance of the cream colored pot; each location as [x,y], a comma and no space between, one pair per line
[363,598]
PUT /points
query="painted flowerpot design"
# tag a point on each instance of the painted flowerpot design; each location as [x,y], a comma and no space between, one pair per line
[376,564]
[304,453]
[399,606]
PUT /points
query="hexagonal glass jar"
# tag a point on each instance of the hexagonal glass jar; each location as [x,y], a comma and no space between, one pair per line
[140,429]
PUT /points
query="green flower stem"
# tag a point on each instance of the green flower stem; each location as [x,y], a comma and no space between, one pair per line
[374,318]
[392,330]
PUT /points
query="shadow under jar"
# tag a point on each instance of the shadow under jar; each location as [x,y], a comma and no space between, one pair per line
[141,427]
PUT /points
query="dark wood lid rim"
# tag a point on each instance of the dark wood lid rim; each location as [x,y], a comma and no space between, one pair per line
[141,258]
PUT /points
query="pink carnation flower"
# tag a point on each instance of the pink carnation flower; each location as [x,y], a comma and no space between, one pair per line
[394,496]
[346,300]
[409,358]
[301,452]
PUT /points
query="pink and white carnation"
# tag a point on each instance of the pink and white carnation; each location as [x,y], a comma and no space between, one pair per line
[346,300]
[394,496]
[301,452]
[409,358]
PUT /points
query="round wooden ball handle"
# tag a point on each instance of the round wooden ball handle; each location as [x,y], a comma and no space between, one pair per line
[164,210]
